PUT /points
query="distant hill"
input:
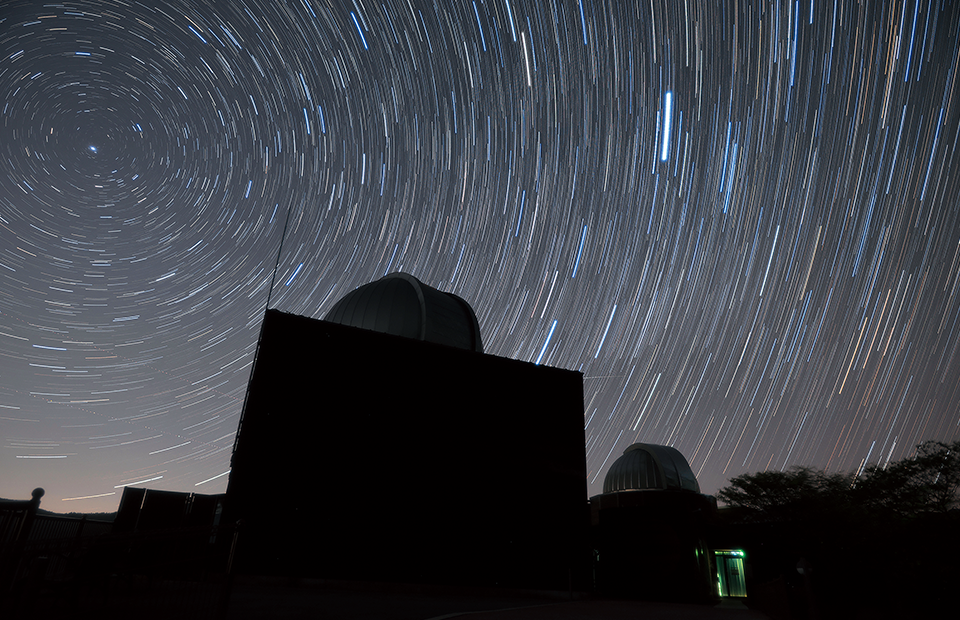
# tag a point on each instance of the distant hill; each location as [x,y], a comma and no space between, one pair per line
[95,516]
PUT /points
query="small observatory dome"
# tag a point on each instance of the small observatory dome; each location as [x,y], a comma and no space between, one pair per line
[649,466]
[401,305]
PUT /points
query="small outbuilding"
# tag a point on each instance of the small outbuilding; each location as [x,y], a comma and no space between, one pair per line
[650,528]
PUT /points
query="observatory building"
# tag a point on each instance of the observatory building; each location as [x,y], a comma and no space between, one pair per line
[382,444]
[651,527]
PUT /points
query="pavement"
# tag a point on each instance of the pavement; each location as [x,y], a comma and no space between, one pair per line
[617,610]
[258,599]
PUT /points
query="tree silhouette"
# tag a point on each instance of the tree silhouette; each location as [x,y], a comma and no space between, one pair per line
[925,484]
[791,495]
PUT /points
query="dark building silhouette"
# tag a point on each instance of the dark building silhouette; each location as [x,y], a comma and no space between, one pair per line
[147,510]
[651,527]
[382,444]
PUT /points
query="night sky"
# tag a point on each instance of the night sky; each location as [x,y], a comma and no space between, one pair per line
[740,221]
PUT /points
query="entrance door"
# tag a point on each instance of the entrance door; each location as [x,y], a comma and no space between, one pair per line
[730,580]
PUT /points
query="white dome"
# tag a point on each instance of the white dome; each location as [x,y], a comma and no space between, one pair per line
[650,466]
[401,305]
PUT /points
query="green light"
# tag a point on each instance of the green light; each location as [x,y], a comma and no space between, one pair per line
[730,572]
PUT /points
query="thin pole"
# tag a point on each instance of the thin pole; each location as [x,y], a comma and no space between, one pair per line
[283,237]
[253,366]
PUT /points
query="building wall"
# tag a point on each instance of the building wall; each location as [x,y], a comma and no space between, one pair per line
[652,544]
[368,456]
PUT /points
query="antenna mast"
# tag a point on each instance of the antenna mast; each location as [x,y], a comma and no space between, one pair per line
[253,365]
[273,278]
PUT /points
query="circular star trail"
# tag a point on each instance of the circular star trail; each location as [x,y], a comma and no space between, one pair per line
[740,222]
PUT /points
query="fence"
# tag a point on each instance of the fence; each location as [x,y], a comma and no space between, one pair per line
[58,564]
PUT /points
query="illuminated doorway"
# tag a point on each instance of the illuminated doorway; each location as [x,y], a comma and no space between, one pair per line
[730,580]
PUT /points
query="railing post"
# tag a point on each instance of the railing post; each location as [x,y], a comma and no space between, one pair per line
[10,566]
[26,523]
[228,585]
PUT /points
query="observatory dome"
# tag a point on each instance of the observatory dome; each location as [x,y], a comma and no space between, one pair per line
[401,305]
[650,466]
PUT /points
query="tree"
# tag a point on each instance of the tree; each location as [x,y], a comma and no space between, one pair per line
[924,484]
[798,493]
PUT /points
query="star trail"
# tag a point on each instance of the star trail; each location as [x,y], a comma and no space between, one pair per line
[738,220]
